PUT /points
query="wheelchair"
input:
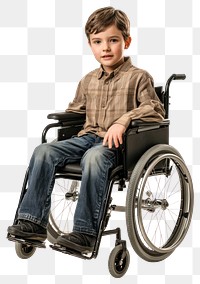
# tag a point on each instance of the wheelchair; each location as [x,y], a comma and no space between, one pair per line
[159,199]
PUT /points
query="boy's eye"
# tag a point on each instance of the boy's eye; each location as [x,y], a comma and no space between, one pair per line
[113,40]
[97,42]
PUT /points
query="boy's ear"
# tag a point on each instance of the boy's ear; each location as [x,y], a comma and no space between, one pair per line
[128,42]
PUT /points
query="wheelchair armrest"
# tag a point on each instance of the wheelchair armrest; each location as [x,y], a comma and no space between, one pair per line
[71,121]
[147,125]
[67,118]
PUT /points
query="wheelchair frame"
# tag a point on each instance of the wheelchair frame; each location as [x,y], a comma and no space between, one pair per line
[154,153]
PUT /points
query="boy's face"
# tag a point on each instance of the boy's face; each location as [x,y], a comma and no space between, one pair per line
[108,47]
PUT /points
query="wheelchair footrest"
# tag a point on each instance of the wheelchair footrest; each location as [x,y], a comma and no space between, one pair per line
[70,251]
[27,242]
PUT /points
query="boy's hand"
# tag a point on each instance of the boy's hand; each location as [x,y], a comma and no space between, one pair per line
[114,135]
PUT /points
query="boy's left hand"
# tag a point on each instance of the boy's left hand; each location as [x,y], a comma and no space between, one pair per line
[114,135]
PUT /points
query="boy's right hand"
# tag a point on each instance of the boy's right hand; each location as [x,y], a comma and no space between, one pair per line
[114,136]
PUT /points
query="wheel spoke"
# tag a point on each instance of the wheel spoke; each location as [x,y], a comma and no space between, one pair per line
[64,199]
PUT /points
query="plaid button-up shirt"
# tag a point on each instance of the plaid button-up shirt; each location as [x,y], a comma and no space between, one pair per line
[125,94]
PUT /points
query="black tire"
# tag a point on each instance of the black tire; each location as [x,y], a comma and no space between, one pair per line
[24,251]
[116,265]
[63,203]
[163,168]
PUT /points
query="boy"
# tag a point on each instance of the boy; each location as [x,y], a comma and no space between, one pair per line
[111,96]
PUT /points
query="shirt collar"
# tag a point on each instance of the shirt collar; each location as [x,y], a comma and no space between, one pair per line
[122,68]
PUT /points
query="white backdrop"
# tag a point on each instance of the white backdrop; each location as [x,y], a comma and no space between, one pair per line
[43,55]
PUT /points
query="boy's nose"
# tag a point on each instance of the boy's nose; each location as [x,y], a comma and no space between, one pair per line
[106,47]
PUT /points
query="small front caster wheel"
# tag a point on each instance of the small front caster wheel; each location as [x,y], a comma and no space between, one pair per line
[116,264]
[24,251]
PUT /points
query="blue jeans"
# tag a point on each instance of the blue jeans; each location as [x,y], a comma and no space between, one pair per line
[96,161]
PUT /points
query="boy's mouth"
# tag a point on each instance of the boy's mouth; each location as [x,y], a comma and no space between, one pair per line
[107,56]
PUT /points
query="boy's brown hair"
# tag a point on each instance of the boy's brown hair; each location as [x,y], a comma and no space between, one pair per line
[102,18]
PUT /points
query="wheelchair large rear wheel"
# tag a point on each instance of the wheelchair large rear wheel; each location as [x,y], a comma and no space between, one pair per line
[159,203]
[63,204]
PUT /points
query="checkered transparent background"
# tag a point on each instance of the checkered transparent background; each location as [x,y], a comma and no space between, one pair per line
[43,55]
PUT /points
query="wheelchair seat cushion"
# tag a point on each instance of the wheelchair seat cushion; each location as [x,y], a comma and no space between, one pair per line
[74,168]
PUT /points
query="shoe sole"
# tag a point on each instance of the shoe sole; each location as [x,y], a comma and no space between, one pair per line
[27,242]
[28,236]
[71,245]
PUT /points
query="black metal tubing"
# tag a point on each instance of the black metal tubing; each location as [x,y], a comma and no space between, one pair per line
[166,96]
[116,231]
[49,126]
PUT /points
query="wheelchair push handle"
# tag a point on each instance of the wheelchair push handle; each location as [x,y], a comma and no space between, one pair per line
[179,76]
[174,77]
[166,98]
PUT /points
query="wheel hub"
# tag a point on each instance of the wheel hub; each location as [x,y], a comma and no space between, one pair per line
[152,204]
[72,196]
